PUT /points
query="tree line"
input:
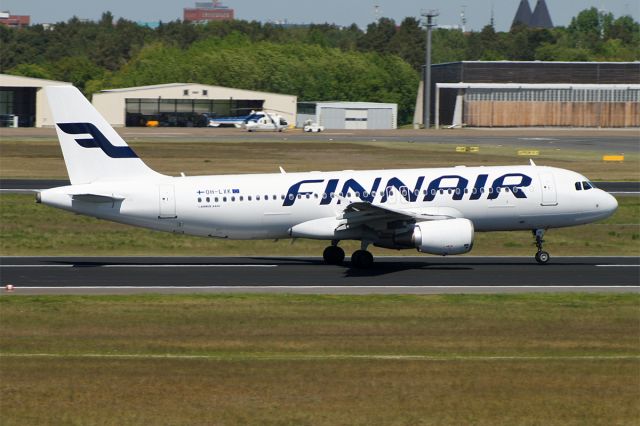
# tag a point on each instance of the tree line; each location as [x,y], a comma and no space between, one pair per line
[314,62]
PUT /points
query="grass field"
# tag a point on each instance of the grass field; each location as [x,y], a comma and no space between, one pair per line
[27,228]
[526,359]
[43,159]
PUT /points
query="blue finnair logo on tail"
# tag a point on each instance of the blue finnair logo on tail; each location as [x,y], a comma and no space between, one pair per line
[97,140]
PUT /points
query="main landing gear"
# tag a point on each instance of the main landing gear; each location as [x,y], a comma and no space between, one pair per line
[542,256]
[333,255]
[361,259]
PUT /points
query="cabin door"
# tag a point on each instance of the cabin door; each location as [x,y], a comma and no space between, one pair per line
[548,188]
[167,202]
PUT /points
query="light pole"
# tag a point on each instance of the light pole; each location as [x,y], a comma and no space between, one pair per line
[426,87]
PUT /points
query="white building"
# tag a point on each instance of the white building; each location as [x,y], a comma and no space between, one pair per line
[349,115]
[180,104]
[23,97]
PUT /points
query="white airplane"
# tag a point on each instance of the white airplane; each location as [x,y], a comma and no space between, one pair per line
[434,210]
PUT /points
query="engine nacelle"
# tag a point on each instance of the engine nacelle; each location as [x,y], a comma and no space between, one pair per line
[449,236]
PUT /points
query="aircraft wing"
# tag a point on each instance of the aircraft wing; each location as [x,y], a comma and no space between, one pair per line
[360,213]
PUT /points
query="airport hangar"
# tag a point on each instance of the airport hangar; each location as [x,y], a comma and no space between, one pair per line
[533,93]
[181,104]
[24,99]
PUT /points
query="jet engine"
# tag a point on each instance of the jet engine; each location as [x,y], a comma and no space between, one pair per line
[448,236]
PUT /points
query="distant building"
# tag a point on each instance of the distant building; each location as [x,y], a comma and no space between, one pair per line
[523,14]
[208,11]
[349,115]
[23,102]
[539,18]
[14,21]
[534,93]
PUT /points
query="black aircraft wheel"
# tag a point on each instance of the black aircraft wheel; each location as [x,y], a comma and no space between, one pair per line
[542,257]
[362,259]
[333,255]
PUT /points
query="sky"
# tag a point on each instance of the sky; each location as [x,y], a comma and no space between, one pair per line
[340,12]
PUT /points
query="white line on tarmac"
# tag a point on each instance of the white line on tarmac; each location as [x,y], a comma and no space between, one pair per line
[311,357]
[618,266]
[139,266]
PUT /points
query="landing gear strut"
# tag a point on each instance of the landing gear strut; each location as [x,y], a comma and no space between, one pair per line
[333,255]
[542,256]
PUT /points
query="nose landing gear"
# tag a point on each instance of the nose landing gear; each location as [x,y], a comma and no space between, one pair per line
[542,256]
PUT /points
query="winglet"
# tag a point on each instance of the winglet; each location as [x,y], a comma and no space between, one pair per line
[531,162]
[282,170]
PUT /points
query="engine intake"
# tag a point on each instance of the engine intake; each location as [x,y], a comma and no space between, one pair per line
[449,236]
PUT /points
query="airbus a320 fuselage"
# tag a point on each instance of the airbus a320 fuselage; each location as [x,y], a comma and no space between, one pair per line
[434,210]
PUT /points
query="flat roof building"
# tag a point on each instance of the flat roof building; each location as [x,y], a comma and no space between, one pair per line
[541,73]
[349,115]
[14,21]
[208,11]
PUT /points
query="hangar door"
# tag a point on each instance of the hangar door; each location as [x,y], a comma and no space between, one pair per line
[380,118]
[332,118]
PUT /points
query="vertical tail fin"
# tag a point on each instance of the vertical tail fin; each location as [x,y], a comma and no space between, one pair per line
[92,150]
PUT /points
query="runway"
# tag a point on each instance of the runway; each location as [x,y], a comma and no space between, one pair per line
[307,275]
[19,185]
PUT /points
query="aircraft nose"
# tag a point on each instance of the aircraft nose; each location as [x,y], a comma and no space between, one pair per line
[608,203]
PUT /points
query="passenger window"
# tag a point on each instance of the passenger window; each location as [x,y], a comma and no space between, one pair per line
[308,196]
[233,198]
[249,198]
[199,199]
[224,199]
[275,197]
[257,198]
[315,195]
[208,200]
[578,187]
[291,196]
[216,199]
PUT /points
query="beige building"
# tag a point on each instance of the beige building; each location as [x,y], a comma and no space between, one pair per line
[183,104]
[23,102]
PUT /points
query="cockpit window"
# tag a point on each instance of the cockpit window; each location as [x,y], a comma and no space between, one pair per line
[586,185]
[578,186]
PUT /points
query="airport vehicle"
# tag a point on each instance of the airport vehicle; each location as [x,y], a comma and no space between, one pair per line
[311,127]
[435,210]
[263,121]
